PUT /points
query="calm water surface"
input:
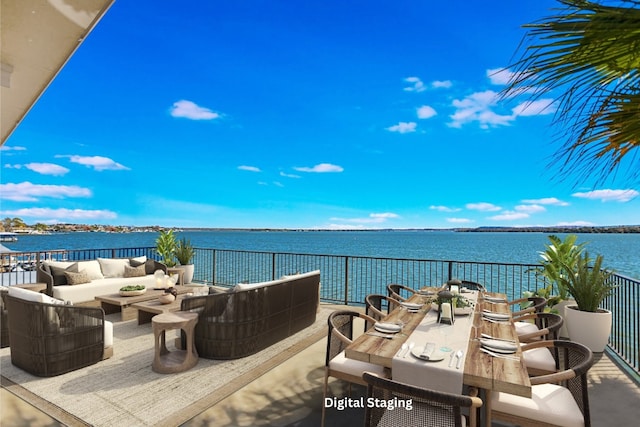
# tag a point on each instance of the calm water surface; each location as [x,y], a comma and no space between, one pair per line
[621,251]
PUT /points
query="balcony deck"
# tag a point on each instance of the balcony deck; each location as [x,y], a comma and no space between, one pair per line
[291,395]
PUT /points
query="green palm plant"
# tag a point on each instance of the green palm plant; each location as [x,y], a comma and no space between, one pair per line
[589,285]
[586,58]
[558,261]
[166,247]
[184,251]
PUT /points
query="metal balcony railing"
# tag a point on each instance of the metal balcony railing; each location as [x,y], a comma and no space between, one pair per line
[348,279]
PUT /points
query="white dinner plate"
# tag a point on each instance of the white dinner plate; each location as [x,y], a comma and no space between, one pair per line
[497,345]
[436,356]
[387,328]
[411,305]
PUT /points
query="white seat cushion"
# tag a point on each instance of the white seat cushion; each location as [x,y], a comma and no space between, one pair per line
[108,334]
[523,328]
[539,358]
[549,403]
[353,367]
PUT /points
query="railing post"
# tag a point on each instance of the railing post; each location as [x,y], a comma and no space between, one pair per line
[213,268]
[346,280]
[273,266]
[450,264]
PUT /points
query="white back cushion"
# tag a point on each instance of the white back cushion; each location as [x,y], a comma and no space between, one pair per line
[92,268]
[27,295]
[113,267]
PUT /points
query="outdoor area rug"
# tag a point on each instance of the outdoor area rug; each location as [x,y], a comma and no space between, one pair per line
[124,391]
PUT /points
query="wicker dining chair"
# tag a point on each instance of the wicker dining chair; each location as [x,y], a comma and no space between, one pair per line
[337,365]
[558,399]
[541,360]
[527,305]
[379,306]
[395,291]
[473,286]
[428,407]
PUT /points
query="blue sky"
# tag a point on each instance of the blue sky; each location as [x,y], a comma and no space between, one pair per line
[357,114]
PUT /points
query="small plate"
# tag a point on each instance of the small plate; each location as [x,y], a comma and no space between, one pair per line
[411,306]
[387,328]
[427,293]
[436,356]
[498,346]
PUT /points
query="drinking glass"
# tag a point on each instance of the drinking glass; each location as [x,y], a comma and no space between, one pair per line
[444,330]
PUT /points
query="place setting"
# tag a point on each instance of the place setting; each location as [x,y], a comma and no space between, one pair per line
[498,347]
[411,307]
[386,329]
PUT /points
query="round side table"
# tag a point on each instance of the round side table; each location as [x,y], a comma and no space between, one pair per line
[170,362]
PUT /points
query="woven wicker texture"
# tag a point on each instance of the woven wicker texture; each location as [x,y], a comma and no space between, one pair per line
[400,292]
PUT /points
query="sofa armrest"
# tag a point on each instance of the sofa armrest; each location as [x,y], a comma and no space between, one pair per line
[159,266]
[43,277]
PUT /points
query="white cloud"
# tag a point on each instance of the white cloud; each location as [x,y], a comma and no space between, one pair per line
[320,168]
[539,107]
[403,127]
[416,85]
[483,206]
[98,163]
[12,148]
[191,110]
[459,220]
[61,214]
[249,168]
[289,175]
[500,76]
[426,112]
[608,195]
[530,209]
[509,216]
[28,192]
[47,168]
[546,201]
[576,224]
[444,208]
[373,218]
[445,84]
[477,108]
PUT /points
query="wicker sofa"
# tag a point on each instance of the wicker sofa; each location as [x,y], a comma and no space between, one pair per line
[105,276]
[48,337]
[251,317]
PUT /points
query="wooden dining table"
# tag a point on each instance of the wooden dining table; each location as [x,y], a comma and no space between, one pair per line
[483,371]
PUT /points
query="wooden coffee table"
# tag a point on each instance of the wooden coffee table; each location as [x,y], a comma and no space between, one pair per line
[114,303]
[148,309]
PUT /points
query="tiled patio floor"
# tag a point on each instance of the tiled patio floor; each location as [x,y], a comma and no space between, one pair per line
[291,395]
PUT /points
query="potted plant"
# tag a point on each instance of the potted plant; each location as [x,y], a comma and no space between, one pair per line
[556,263]
[166,247]
[587,323]
[184,253]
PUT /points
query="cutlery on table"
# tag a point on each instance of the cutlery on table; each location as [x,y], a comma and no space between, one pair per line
[459,355]
[453,354]
[487,336]
[411,345]
[381,335]
[403,348]
[503,356]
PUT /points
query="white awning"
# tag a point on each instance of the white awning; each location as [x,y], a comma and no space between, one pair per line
[38,38]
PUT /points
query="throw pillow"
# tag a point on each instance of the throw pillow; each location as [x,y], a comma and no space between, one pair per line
[138,271]
[58,273]
[150,266]
[92,268]
[76,278]
[137,260]
[112,267]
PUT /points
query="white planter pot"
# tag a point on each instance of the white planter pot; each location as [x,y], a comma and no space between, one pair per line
[188,272]
[590,329]
[561,307]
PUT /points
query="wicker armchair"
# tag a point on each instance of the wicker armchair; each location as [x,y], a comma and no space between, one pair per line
[52,339]
[340,335]
[473,286]
[558,399]
[428,407]
[540,360]
[4,319]
[379,306]
[535,305]
[395,292]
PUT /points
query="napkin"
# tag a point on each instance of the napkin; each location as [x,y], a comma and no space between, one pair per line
[388,328]
[501,346]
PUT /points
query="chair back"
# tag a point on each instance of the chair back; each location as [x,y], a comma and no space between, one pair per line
[548,324]
[574,360]
[396,292]
[414,406]
[378,306]
[340,332]
[474,286]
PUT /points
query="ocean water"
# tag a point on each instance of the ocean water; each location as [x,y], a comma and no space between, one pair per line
[621,251]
